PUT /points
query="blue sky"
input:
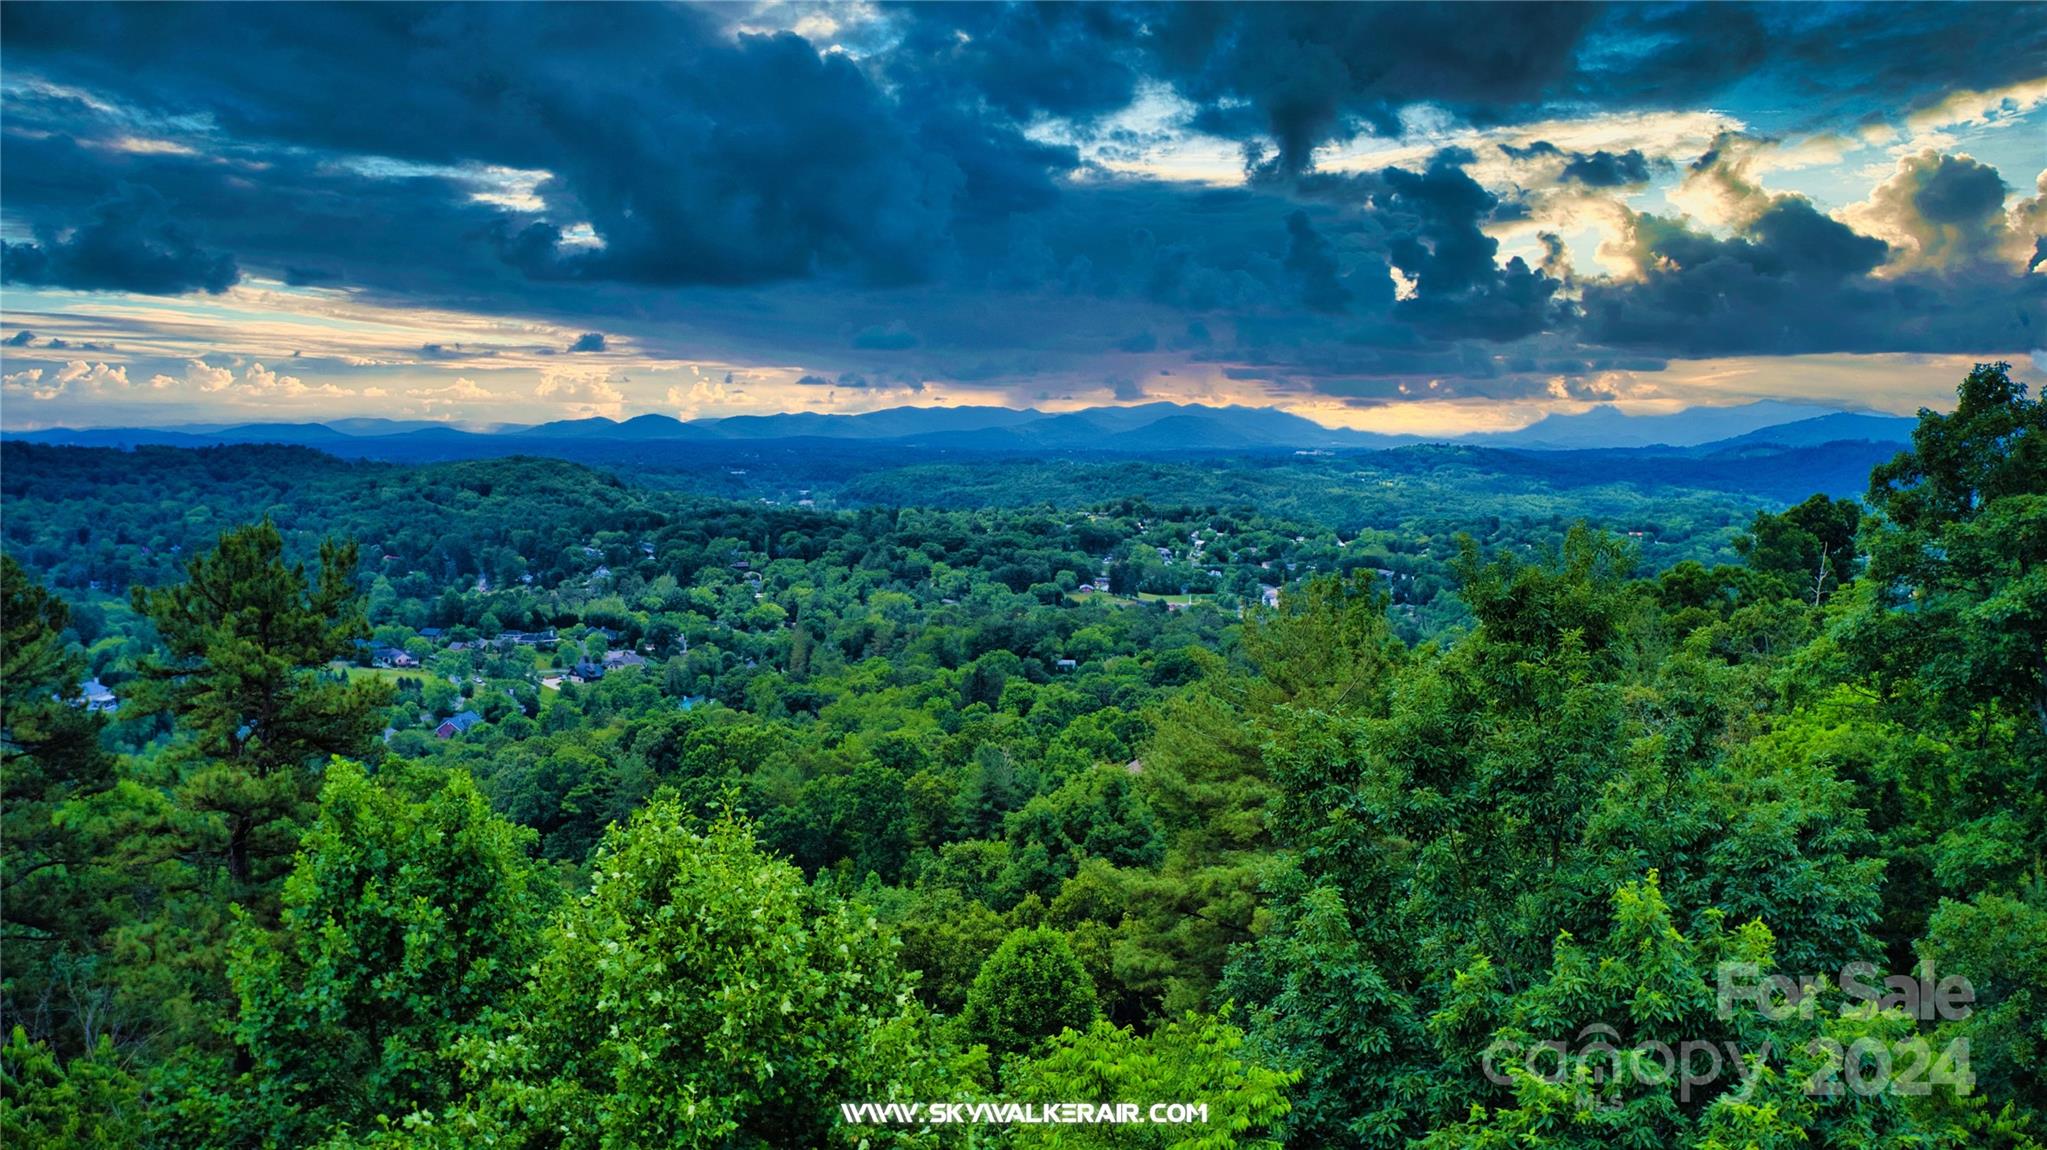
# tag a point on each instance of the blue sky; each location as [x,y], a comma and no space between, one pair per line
[1397,217]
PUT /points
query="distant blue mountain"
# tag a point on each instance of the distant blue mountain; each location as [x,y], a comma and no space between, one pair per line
[1839,427]
[1144,428]
[1608,426]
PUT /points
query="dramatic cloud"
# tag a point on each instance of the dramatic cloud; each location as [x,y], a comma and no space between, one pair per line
[1351,206]
[580,395]
[1939,213]
[127,243]
[461,392]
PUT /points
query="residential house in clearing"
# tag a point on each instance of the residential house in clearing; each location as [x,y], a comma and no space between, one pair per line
[97,697]
[457,724]
[528,638]
[392,657]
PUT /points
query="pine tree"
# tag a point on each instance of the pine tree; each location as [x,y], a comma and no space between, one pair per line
[246,639]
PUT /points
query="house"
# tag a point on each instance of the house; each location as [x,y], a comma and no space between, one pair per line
[528,638]
[1067,664]
[588,671]
[613,660]
[392,657]
[97,697]
[1270,596]
[451,727]
[430,632]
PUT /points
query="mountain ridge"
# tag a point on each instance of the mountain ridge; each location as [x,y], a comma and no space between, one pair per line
[1155,427]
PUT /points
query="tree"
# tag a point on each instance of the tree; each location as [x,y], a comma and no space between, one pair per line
[56,893]
[404,922]
[1651,1037]
[701,994]
[1959,557]
[1809,548]
[50,754]
[1195,1058]
[88,1103]
[246,638]
[1031,988]
[1949,638]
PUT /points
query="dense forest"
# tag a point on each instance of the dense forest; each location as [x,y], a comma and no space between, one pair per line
[516,803]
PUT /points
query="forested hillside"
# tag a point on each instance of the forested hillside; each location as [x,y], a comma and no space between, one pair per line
[515,803]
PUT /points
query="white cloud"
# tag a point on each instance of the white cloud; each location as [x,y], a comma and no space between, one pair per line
[705,393]
[95,375]
[207,378]
[463,390]
[1943,241]
[582,394]
[31,381]
[1975,109]
[260,378]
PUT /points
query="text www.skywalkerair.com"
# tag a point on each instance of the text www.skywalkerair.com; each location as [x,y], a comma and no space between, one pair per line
[1024,1113]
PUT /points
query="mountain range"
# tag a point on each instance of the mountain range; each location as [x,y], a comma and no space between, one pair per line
[1144,428]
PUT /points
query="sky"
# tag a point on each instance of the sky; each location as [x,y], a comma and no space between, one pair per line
[1403,218]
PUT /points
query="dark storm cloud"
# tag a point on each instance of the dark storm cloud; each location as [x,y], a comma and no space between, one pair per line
[308,277]
[1460,288]
[1309,259]
[1958,190]
[1795,281]
[833,206]
[696,157]
[1301,75]
[128,242]
[1603,169]
[1311,72]
[1600,169]
[893,336]
[588,341]
[1074,60]
[22,338]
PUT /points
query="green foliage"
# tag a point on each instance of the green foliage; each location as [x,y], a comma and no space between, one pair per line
[1192,1059]
[245,641]
[1809,549]
[404,922]
[87,1103]
[770,808]
[700,995]
[1031,988]
[1959,562]
[55,890]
